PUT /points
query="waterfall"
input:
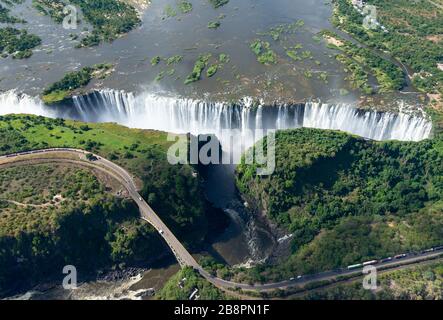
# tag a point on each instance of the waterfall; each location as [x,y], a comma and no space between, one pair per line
[12,102]
[181,115]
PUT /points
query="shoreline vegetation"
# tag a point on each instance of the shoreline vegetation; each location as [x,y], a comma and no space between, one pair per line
[411,28]
[357,59]
[5,17]
[72,81]
[17,43]
[110,19]
[218,3]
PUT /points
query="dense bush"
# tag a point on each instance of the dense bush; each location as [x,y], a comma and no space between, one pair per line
[17,42]
[346,199]
[173,192]
[411,26]
[191,281]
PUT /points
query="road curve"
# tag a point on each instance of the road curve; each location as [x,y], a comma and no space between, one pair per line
[126,179]
[181,253]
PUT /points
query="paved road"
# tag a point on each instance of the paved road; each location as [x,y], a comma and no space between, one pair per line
[331,275]
[181,253]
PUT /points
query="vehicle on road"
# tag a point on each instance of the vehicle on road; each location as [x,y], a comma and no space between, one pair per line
[355,266]
[369,263]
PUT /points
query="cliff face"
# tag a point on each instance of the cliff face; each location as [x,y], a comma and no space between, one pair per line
[52,216]
[346,199]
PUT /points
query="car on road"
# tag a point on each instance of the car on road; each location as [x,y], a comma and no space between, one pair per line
[369,263]
[355,266]
[161,232]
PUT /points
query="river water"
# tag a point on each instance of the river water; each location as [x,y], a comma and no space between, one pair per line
[139,101]
[188,35]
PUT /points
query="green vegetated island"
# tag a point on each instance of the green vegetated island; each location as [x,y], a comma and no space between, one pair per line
[14,42]
[70,215]
[109,20]
[6,17]
[17,43]
[72,82]
[343,199]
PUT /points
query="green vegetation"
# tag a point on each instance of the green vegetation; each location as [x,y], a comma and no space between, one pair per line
[276,32]
[110,19]
[199,66]
[160,76]
[419,283]
[64,215]
[6,18]
[155,60]
[282,36]
[214,24]
[185,6]
[308,74]
[413,37]
[65,88]
[52,8]
[87,226]
[389,76]
[224,58]
[171,190]
[170,11]
[218,3]
[293,55]
[358,77]
[212,70]
[346,199]
[263,51]
[323,76]
[174,60]
[215,268]
[192,280]
[17,43]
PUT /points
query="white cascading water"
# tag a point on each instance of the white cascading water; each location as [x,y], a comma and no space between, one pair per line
[180,115]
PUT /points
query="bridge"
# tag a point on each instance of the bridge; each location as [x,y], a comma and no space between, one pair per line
[184,258]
